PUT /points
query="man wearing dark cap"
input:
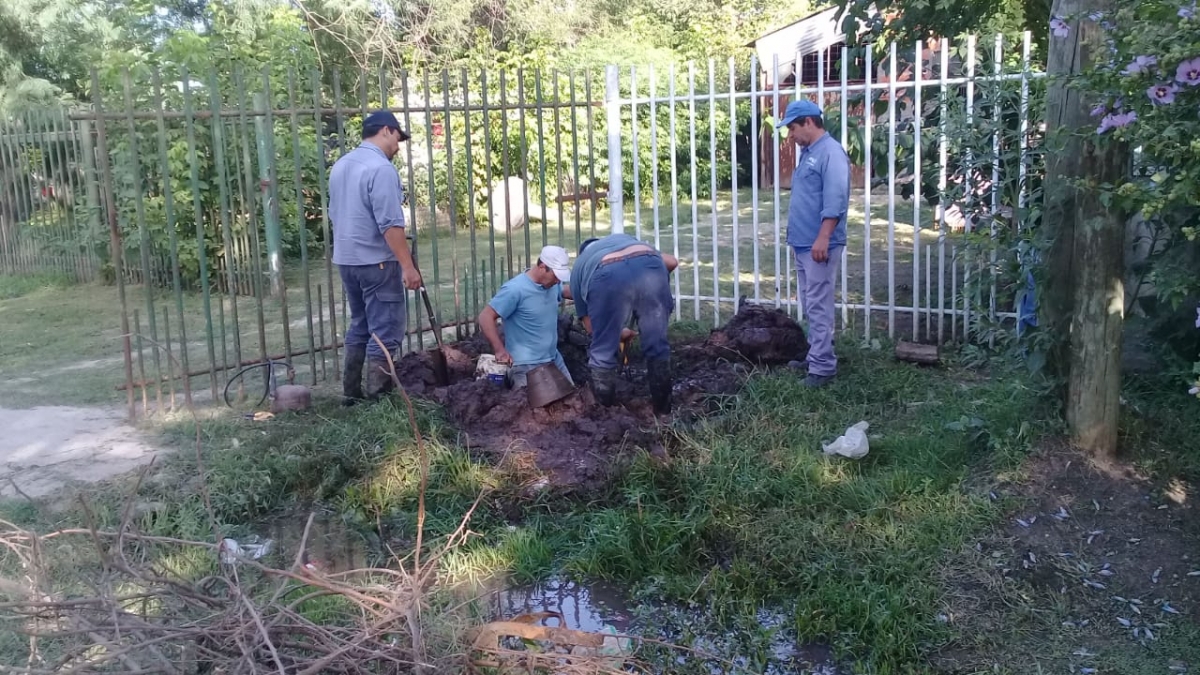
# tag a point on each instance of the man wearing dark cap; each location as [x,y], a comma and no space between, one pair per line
[371,252]
[816,230]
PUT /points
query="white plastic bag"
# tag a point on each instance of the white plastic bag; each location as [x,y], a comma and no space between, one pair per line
[852,444]
[231,550]
[487,367]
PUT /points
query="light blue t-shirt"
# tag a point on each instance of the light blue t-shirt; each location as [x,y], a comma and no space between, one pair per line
[365,199]
[530,315]
[820,189]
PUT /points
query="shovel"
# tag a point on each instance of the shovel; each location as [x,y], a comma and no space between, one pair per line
[441,373]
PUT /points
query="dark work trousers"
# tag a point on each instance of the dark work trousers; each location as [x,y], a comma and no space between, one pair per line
[377,305]
[636,286]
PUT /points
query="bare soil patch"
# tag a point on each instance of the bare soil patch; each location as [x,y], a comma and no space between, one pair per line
[576,443]
[1093,555]
[46,448]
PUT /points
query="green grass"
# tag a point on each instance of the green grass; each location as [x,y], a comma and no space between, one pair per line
[12,286]
[748,513]
[747,517]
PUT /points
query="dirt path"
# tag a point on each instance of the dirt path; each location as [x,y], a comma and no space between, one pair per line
[45,449]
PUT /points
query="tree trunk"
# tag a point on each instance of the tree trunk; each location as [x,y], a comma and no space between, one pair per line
[1085,291]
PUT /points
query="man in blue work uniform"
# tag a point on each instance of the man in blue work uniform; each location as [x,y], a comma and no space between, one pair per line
[371,252]
[528,306]
[615,278]
[816,230]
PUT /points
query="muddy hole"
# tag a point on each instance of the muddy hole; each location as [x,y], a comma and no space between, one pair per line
[574,442]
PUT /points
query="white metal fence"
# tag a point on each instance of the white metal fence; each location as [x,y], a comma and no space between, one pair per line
[909,263]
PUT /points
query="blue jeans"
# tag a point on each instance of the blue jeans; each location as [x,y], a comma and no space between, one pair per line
[518,375]
[377,305]
[640,287]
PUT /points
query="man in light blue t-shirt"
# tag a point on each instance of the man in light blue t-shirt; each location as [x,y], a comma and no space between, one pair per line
[528,306]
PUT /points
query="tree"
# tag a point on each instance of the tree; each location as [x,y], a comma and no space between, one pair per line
[906,21]
[1085,290]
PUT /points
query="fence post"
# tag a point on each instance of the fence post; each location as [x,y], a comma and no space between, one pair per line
[114,231]
[616,184]
[92,182]
[266,164]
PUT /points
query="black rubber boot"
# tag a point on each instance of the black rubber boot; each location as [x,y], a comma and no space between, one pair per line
[604,386]
[379,381]
[658,376]
[352,391]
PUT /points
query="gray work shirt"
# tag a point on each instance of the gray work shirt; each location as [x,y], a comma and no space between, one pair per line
[365,199]
[820,190]
[587,263]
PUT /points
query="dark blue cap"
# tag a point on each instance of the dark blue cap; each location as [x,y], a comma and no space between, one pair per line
[798,109]
[382,119]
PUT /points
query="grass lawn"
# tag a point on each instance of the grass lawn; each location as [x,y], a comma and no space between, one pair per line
[910,560]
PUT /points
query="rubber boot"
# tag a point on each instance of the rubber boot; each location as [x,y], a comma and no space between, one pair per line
[379,381]
[604,386]
[352,391]
[658,376]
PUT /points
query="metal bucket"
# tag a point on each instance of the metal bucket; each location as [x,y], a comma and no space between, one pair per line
[546,384]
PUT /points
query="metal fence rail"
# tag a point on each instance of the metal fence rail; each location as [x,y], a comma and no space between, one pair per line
[202,197]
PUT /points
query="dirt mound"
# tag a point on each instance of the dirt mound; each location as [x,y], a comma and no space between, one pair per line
[761,334]
[575,442]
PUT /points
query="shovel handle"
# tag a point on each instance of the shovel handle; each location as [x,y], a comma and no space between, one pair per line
[433,322]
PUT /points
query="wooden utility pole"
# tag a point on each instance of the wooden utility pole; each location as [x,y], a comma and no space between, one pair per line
[1085,296]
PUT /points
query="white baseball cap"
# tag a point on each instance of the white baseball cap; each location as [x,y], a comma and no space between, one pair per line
[555,258]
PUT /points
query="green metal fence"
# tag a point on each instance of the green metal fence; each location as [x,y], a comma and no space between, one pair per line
[202,198]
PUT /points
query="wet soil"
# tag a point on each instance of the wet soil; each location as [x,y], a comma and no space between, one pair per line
[575,443]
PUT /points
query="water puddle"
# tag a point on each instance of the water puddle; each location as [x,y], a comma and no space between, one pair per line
[766,647]
[594,607]
[710,641]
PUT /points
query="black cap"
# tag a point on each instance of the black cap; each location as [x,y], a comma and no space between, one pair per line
[382,119]
[586,243]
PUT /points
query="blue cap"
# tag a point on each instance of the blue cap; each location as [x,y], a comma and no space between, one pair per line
[382,119]
[798,109]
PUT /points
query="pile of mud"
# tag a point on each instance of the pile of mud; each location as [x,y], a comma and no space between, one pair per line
[577,443]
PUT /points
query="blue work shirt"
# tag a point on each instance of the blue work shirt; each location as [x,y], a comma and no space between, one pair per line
[588,261]
[530,315]
[820,190]
[365,199]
